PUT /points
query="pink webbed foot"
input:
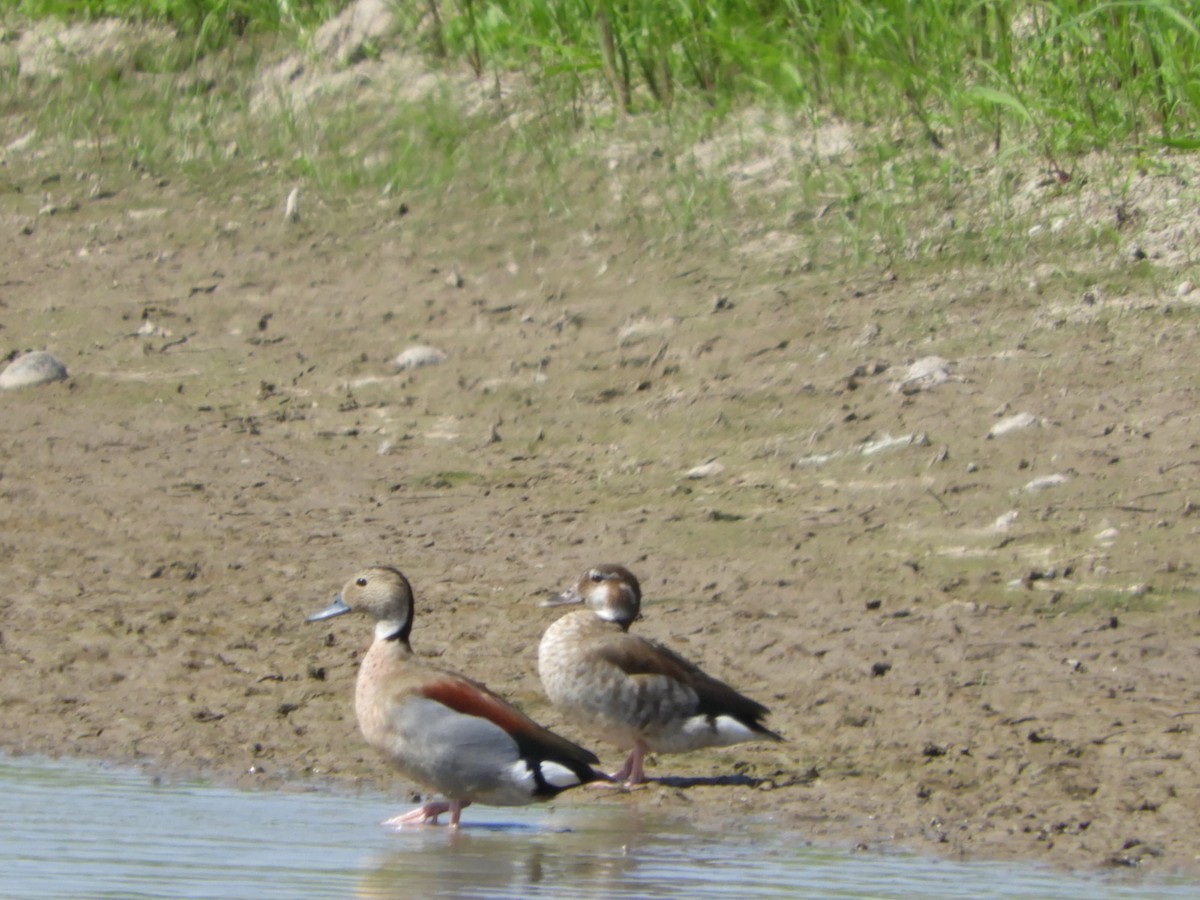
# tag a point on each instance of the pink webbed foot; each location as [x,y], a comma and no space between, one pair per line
[607,784]
[632,773]
[428,814]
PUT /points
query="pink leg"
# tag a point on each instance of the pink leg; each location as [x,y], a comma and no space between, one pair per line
[425,815]
[633,772]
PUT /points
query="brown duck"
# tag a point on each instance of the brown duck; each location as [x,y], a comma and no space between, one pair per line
[630,691]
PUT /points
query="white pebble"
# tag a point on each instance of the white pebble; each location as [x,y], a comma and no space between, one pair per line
[418,356]
[887,442]
[927,372]
[1045,481]
[291,210]
[1013,423]
[38,367]
[706,470]
[1006,521]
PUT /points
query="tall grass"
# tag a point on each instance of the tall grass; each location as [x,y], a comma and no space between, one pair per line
[1068,75]
[1020,79]
[1064,76]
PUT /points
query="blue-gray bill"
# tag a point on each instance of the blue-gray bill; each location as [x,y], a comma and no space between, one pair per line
[336,608]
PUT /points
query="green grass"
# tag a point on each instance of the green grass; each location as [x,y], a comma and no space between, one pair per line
[1062,76]
[210,23]
[654,113]
[1105,601]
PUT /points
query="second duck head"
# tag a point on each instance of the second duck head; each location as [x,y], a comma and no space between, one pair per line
[610,591]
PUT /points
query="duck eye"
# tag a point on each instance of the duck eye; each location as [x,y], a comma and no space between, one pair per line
[361,582]
[596,576]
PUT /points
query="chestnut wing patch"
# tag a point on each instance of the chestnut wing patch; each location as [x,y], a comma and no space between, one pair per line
[533,741]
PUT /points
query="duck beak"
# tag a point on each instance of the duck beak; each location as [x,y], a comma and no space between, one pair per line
[566,598]
[336,608]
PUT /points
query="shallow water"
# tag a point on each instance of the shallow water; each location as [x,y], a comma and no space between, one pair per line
[74,830]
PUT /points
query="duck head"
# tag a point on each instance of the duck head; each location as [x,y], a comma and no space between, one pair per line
[383,593]
[610,591]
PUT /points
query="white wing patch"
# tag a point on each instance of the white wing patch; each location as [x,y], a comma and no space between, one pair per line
[696,732]
[555,775]
[558,776]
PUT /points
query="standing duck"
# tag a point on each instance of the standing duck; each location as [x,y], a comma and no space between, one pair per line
[630,691]
[441,729]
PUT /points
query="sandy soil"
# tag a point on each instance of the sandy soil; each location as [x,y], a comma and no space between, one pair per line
[977,644]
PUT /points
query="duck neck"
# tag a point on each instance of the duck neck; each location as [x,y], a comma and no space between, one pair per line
[393,631]
[615,617]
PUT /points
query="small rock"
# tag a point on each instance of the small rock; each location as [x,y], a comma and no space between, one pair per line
[1108,535]
[291,209]
[38,367]
[879,669]
[1013,423]
[1005,522]
[817,459]
[706,470]
[1045,481]
[418,356]
[922,375]
[1184,288]
[887,442]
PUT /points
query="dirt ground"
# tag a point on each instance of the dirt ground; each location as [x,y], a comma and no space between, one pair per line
[978,632]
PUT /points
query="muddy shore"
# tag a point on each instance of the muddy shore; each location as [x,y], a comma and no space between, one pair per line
[980,642]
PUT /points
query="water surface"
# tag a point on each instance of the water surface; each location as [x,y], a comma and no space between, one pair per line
[75,830]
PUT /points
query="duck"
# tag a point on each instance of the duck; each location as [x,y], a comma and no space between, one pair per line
[444,731]
[633,692]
